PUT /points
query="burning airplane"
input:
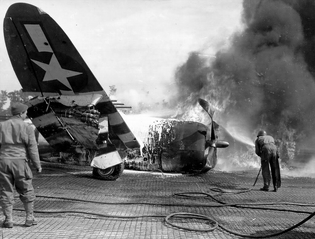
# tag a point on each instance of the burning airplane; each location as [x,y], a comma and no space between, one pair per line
[75,116]
[172,145]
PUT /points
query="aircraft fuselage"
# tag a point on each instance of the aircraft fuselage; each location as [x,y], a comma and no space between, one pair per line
[171,146]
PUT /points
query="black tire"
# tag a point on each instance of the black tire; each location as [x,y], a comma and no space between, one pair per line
[109,174]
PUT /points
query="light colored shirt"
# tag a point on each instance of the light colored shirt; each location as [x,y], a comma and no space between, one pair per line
[17,140]
[261,141]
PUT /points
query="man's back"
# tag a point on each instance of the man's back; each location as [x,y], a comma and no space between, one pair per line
[17,140]
[261,141]
[265,139]
[13,138]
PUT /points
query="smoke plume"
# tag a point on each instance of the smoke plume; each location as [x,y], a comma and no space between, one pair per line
[264,79]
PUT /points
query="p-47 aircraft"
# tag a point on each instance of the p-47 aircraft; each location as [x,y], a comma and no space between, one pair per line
[73,113]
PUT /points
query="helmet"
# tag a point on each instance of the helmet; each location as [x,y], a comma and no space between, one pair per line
[261,133]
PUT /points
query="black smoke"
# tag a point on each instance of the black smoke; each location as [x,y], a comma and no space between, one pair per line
[265,78]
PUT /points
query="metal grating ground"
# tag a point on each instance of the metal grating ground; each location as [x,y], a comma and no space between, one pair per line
[72,204]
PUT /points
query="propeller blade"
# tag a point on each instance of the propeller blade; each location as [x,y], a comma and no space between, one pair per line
[213,137]
[205,105]
[211,159]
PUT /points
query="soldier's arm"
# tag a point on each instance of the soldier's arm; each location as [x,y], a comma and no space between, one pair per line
[257,148]
[32,148]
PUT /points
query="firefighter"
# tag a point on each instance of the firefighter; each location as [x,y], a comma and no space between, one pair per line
[266,149]
[18,145]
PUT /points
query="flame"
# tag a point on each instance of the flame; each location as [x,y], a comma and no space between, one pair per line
[263,79]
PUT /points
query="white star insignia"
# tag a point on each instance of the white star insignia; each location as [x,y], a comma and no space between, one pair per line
[55,72]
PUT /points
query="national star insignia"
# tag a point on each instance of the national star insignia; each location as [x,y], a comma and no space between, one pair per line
[55,72]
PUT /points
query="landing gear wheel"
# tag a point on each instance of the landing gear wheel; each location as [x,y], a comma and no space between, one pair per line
[110,174]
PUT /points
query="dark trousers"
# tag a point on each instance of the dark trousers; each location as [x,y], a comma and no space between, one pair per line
[270,161]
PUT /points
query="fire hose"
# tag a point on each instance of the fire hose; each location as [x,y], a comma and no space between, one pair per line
[213,223]
[257,177]
[248,205]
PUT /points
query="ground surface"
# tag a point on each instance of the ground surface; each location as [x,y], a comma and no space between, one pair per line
[72,204]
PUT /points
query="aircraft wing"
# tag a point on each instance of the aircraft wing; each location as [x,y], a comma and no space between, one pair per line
[47,64]
[117,124]
[43,57]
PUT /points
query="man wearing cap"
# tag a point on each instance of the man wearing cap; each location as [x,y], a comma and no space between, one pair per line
[266,149]
[18,145]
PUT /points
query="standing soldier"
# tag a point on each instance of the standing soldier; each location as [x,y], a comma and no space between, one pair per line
[267,150]
[18,145]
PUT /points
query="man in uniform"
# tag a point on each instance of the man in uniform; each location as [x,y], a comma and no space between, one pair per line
[267,150]
[18,145]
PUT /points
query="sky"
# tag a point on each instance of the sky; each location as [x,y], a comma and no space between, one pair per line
[135,45]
